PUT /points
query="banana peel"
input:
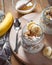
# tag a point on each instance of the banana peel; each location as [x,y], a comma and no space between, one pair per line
[6,24]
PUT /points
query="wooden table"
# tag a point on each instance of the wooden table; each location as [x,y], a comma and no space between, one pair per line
[8,7]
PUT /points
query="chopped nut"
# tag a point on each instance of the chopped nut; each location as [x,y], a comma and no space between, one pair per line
[27,33]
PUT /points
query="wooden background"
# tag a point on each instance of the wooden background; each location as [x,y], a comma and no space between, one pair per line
[41,4]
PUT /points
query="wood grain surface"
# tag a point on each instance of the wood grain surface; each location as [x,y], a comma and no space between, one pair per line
[8,7]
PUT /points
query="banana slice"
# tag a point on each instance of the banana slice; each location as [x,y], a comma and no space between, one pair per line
[50,57]
[47,51]
[36,30]
[30,25]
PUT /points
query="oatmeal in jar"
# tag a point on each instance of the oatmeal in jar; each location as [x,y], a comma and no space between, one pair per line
[32,38]
[46,20]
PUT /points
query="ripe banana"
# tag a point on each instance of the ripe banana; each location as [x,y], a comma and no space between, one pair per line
[6,24]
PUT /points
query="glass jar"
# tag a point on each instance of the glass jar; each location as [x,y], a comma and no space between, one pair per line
[32,46]
[46,20]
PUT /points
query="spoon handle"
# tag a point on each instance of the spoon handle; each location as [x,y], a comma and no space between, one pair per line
[17,43]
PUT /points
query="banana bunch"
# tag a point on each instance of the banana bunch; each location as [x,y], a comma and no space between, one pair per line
[6,24]
[48,52]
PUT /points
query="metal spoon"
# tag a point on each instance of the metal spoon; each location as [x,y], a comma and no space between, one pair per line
[17,28]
